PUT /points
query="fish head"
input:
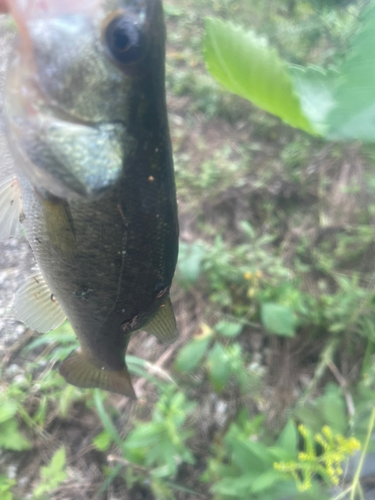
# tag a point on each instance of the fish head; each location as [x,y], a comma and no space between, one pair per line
[77,68]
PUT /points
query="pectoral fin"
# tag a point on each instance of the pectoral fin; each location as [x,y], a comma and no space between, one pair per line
[36,306]
[10,207]
[163,325]
[79,370]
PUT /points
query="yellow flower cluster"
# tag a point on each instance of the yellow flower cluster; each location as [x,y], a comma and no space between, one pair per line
[291,468]
[335,448]
[253,276]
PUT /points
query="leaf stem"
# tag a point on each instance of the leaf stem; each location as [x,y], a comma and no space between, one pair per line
[342,494]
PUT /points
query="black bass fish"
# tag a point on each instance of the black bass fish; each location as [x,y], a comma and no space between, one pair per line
[86,91]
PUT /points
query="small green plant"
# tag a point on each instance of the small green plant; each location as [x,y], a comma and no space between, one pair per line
[160,445]
[326,463]
[327,409]
[221,362]
[242,465]
[52,475]
[11,438]
[153,451]
[6,486]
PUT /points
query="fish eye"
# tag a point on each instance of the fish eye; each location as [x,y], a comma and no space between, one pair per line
[125,41]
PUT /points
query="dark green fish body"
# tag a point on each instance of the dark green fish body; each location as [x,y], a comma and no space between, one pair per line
[109,262]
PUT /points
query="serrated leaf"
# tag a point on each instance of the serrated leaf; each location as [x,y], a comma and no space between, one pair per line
[190,356]
[353,117]
[229,328]
[219,368]
[278,319]
[245,65]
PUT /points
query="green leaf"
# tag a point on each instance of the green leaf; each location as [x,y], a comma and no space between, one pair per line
[278,319]
[315,88]
[252,457]
[103,441]
[53,474]
[219,367]
[5,487]
[57,463]
[147,435]
[311,417]
[229,328]
[353,117]
[106,421]
[10,437]
[66,398]
[288,439]
[333,408]
[64,334]
[190,356]
[266,480]
[189,263]
[7,410]
[235,487]
[245,65]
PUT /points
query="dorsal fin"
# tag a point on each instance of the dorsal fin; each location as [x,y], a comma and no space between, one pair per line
[10,207]
[163,324]
[77,369]
[36,306]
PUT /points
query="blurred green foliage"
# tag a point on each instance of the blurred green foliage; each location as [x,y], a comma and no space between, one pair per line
[51,475]
[335,104]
